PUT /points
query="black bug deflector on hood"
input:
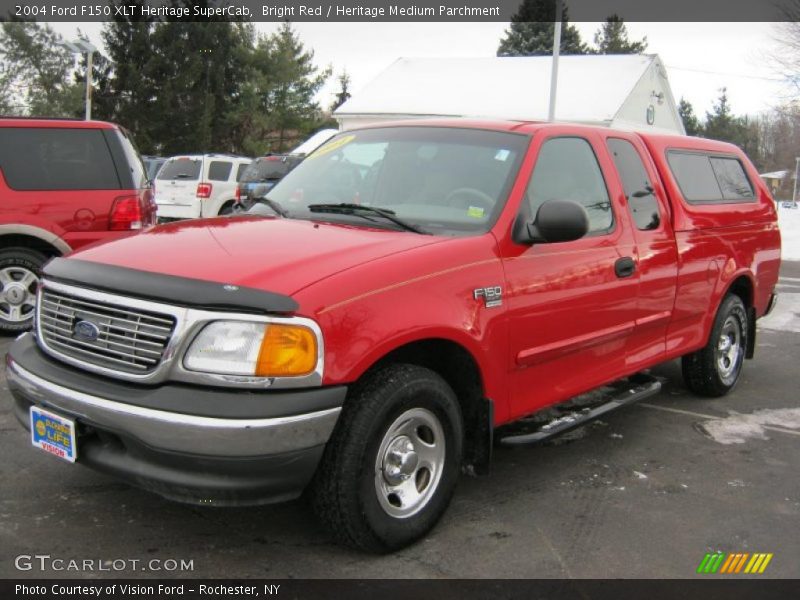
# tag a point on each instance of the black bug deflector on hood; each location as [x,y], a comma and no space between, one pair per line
[182,291]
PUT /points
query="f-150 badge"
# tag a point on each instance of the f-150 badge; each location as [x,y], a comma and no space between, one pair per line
[492,296]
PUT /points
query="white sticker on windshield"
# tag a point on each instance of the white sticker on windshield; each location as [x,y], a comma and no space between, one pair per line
[502,155]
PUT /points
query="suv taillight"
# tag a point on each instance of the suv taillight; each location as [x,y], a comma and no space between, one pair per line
[238,194]
[126,214]
[203,190]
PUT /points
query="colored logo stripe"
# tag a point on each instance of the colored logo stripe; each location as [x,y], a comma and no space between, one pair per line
[734,562]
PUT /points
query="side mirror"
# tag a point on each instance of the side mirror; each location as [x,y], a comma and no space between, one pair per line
[556,221]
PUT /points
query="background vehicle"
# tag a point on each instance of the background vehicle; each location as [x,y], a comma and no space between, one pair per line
[428,285]
[261,175]
[63,184]
[203,185]
[152,164]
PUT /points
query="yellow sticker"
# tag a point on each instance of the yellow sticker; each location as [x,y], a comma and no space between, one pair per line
[475,212]
[331,146]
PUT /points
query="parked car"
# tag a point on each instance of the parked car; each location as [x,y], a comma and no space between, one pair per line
[261,176]
[202,185]
[264,172]
[373,341]
[152,164]
[64,184]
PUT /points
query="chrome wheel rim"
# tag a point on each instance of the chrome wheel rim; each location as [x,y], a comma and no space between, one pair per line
[409,463]
[18,294]
[729,349]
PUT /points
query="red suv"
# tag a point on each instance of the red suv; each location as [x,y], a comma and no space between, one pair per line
[64,184]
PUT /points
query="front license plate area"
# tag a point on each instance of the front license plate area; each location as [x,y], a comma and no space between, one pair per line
[53,433]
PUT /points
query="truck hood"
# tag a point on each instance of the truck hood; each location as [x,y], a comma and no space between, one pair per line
[271,254]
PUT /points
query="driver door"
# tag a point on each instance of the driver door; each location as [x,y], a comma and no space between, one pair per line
[571,305]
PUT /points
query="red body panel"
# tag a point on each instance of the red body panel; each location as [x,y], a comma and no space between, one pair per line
[567,324]
[77,217]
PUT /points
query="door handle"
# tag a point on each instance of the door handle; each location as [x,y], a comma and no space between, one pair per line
[625,267]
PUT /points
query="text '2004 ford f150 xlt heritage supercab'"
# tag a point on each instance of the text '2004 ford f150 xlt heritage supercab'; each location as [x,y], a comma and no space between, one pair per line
[398,300]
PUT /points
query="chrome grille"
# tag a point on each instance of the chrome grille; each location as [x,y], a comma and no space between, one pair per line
[129,340]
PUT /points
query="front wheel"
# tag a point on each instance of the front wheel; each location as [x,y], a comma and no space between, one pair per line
[391,466]
[714,370]
[19,278]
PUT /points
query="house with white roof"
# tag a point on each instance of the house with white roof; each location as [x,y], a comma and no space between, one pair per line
[626,91]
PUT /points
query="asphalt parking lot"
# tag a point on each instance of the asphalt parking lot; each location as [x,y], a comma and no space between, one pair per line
[643,493]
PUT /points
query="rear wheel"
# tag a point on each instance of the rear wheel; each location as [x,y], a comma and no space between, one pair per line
[19,278]
[391,466]
[714,370]
[226,209]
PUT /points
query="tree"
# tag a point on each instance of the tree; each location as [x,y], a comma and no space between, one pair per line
[35,75]
[722,124]
[612,38]
[690,122]
[787,58]
[294,81]
[531,31]
[344,91]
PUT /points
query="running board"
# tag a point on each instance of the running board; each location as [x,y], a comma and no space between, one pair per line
[636,388]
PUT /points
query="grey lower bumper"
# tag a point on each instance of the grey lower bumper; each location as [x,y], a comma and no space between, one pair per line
[175,432]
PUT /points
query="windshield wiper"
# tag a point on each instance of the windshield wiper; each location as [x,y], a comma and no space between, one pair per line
[345,208]
[275,206]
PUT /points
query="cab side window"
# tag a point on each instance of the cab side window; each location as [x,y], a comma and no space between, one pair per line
[567,169]
[638,189]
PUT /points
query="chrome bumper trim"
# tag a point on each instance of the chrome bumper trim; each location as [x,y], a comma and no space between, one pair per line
[206,436]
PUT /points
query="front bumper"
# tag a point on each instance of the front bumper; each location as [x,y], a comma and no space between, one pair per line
[201,445]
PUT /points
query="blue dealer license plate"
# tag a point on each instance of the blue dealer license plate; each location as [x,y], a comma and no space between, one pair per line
[53,433]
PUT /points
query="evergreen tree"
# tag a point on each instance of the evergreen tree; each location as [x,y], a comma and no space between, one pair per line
[344,91]
[612,38]
[127,96]
[722,124]
[531,31]
[294,82]
[690,122]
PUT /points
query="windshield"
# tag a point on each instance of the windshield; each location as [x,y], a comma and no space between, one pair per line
[446,181]
[181,168]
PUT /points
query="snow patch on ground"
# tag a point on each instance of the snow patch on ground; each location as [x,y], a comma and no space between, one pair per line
[785,316]
[789,223]
[738,428]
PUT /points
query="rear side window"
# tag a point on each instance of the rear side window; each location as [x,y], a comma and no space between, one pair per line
[35,158]
[181,168]
[638,188]
[567,169]
[240,171]
[219,170]
[704,178]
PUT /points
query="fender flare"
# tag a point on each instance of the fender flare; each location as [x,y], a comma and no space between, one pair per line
[36,232]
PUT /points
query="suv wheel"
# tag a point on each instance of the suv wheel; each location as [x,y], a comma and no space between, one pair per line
[391,466]
[714,370]
[19,277]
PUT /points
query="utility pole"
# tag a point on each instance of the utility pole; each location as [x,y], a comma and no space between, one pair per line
[81,46]
[796,172]
[554,70]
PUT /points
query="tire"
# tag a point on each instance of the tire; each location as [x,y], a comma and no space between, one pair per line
[19,277]
[368,459]
[226,209]
[714,370]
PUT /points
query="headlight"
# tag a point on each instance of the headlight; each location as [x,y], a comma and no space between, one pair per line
[253,349]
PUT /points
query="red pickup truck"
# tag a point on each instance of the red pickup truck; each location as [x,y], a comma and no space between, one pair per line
[401,297]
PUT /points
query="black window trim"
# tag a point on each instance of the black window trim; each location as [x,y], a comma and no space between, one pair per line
[711,154]
[614,217]
[661,213]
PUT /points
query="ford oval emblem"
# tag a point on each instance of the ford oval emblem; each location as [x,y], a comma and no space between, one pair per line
[86,331]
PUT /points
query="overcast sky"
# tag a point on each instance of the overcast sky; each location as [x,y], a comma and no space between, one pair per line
[700,57]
